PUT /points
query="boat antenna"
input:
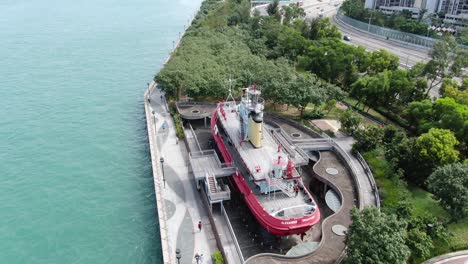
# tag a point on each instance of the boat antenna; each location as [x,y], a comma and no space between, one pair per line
[230,98]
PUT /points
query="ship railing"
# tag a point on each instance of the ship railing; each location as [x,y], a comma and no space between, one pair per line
[283,142]
[294,211]
[280,184]
[238,249]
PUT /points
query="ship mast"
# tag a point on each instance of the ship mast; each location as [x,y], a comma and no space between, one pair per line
[230,99]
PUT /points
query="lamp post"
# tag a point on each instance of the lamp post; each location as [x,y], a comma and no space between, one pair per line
[148,86]
[154,121]
[162,167]
[178,255]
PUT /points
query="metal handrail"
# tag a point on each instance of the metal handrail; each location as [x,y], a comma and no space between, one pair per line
[195,136]
[239,252]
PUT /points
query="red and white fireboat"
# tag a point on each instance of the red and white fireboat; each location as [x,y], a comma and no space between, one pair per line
[266,177]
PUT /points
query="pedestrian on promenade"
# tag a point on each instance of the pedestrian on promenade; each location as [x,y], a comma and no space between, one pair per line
[177,141]
[197,258]
[199,226]
[201,258]
[296,189]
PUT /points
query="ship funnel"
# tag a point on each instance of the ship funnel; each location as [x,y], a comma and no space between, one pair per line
[251,116]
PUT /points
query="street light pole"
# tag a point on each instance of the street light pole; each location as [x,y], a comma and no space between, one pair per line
[178,255]
[162,167]
[148,92]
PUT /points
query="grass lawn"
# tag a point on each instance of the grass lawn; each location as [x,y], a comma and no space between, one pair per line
[459,230]
[425,204]
[371,112]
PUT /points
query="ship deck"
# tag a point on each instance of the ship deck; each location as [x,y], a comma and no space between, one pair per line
[257,160]
[247,158]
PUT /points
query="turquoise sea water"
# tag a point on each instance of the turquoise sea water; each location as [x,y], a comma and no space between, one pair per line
[75,177]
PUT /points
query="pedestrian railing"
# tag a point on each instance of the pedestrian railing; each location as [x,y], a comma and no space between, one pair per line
[238,249]
[370,176]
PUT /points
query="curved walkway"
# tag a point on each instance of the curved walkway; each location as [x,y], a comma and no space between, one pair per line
[350,188]
[459,257]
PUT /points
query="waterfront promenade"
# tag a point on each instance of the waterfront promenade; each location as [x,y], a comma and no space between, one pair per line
[178,201]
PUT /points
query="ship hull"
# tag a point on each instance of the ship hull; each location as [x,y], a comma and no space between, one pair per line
[274,225]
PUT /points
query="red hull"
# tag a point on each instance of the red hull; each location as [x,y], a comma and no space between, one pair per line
[276,226]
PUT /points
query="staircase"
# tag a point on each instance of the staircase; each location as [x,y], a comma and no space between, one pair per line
[211,183]
[280,184]
[214,190]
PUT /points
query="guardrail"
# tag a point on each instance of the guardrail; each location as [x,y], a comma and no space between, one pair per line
[370,176]
[194,136]
[281,140]
[236,244]
[388,33]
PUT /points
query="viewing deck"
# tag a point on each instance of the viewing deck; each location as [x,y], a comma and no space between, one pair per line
[207,161]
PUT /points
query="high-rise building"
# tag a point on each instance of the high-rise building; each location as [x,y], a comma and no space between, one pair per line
[456,11]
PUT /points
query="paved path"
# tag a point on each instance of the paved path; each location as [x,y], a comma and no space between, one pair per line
[366,190]
[182,205]
[459,257]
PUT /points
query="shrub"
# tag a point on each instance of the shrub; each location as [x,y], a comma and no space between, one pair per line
[217,257]
[313,115]
[178,126]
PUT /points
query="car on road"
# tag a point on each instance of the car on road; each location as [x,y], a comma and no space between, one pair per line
[347,38]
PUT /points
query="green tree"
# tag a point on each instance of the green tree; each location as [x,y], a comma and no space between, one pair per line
[451,115]
[354,9]
[291,13]
[350,122]
[460,96]
[420,115]
[273,8]
[368,138]
[463,36]
[374,91]
[447,60]
[309,89]
[334,61]
[450,184]
[433,149]
[375,237]
[323,28]
[420,243]
[381,60]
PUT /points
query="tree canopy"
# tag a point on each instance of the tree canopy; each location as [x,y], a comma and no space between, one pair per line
[450,184]
[375,237]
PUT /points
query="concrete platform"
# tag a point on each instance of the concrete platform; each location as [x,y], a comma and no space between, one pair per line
[178,201]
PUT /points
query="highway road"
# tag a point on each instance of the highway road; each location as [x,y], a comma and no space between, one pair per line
[409,55]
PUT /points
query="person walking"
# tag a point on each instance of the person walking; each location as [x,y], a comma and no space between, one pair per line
[199,226]
[296,189]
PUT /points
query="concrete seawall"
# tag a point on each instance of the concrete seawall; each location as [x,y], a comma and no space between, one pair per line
[168,254]
[157,177]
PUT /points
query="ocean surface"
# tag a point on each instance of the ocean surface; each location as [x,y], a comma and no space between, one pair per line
[75,177]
